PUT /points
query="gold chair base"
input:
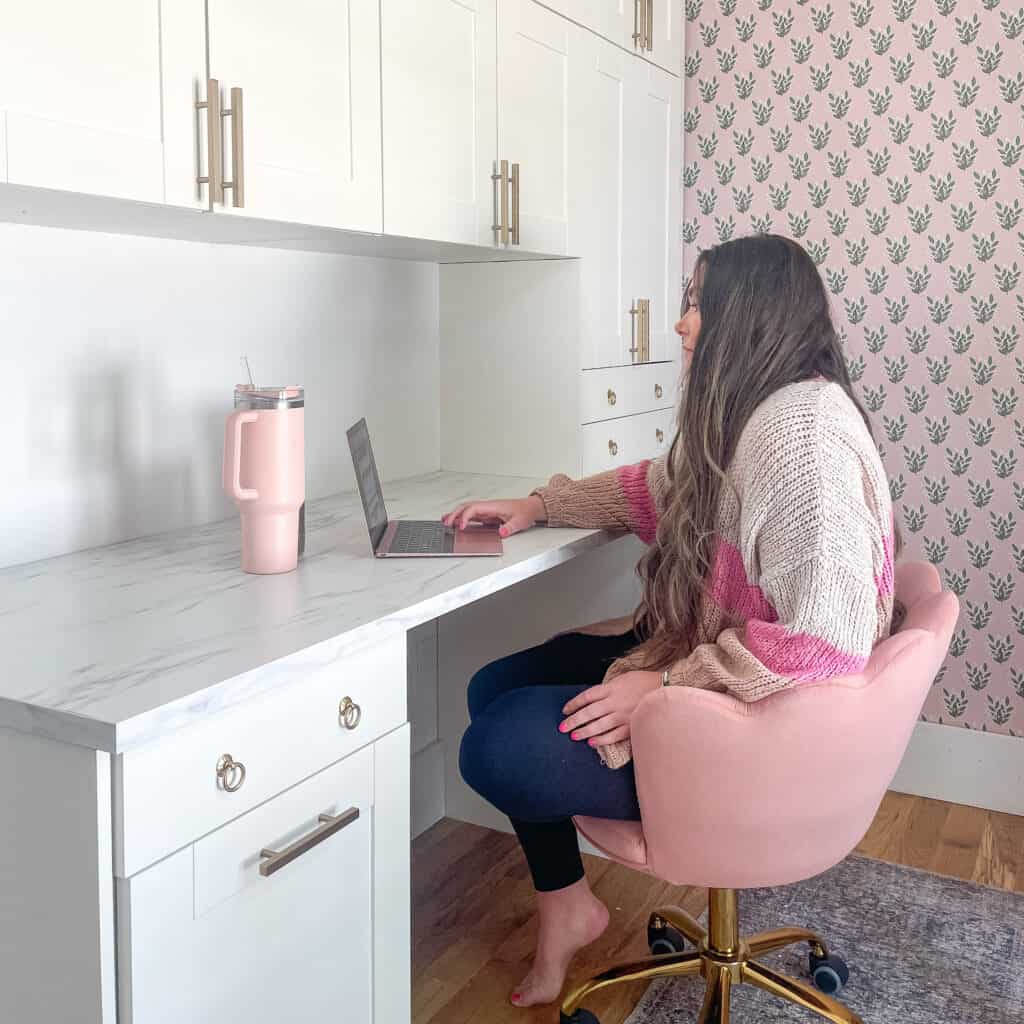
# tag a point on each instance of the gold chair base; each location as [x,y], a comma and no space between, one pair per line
[723,960]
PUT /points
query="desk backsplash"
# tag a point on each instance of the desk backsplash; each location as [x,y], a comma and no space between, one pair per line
[119,358]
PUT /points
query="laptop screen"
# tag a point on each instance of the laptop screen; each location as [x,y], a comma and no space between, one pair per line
[368,481]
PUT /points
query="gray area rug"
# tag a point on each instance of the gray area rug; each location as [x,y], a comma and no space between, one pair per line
[922,949]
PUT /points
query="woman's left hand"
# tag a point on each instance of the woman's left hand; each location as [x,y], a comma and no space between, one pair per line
[601,713]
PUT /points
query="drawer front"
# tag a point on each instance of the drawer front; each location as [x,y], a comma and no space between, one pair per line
[618,391]
[170,793]
[624,441]
[207,939]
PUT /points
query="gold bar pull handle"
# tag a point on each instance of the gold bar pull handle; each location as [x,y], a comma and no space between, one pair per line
[638,30]
[237,182]
[515,204]
[214,177]
[500,179]
[649,41]
[277,859]
[645,337]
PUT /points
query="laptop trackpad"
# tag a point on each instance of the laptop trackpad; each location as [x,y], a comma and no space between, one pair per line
[478,540]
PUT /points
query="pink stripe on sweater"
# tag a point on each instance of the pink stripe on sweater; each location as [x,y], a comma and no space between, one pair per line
[730,589]
[798,656]
[642,513]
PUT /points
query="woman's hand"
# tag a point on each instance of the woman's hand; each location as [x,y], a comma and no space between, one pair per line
[515,514]
[600,714]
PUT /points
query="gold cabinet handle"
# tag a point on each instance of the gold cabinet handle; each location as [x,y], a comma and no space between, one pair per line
[639,9]
[515,204]
[649,38]
[613,448]
[277,859]
[645,331]
[500,179]
[657,391]
[214,178]
[230,773]
[349,713]
[612,397]
[659,434]
[237,182]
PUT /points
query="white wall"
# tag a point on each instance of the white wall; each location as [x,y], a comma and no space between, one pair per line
[119,355]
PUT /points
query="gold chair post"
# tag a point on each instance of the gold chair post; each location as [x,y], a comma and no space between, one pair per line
[723,922]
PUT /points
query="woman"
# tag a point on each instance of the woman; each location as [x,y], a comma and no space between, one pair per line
[770,564]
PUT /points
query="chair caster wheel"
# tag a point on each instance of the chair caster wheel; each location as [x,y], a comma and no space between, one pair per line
[581,1016]
[665,940]
[829,974]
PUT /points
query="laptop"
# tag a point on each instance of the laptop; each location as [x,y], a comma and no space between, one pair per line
[404,538]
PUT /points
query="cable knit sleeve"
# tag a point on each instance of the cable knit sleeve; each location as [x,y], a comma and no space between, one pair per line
[629,498]
[811,537]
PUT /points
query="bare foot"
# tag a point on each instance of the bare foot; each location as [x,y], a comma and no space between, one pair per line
[569,919]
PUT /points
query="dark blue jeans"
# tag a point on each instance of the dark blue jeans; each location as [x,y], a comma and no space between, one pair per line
[513,755]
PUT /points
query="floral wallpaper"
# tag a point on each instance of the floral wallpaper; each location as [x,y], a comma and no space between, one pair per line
[885,135]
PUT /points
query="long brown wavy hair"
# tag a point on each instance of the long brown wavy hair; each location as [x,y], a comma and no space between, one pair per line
[765,323]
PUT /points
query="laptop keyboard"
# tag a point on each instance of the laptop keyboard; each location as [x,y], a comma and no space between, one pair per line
[424,537]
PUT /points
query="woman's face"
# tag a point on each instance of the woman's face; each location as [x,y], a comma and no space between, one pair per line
[688,326]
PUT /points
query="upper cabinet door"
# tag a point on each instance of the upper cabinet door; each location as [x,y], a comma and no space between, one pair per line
[612,19]
[597,156]
[533,122]
[80,93]
[653,199]
[307,147]
[439,76]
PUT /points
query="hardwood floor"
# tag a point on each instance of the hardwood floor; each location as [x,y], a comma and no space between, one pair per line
[473,925]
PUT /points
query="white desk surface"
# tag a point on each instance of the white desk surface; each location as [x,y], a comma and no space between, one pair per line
[113,647]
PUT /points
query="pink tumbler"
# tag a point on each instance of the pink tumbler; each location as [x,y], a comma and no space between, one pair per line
[264,471]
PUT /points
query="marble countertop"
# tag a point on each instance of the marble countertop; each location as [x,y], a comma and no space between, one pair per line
[113,647]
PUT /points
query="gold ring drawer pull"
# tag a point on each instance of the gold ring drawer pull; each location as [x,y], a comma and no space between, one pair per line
[230,773]
[612,397]
[349,713]
[657,391]
[660,435]
[277,859]
[613,448]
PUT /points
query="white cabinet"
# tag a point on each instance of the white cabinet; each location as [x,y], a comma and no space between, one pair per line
[533,121]
[652,246]
[439,113]
[210,939]
[612,19]
[665,35]
[297,910]
[80,94]
[309,75]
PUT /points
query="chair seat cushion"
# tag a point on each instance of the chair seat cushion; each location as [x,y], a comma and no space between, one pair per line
[621,840]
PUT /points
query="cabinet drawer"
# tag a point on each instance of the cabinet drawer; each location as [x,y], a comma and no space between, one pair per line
[624,441]
[618,391]
[170,793]
[206,938]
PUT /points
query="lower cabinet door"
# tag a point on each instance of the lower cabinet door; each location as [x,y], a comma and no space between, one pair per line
[204,937]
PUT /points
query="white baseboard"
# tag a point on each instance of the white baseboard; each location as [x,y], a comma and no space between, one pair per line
[964,766]
[426,791]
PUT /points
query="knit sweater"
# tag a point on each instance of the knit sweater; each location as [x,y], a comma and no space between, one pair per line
[801,583]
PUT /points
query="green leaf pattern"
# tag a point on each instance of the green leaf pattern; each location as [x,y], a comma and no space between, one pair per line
[887,137]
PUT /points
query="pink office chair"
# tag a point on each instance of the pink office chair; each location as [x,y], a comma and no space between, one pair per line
[737,796]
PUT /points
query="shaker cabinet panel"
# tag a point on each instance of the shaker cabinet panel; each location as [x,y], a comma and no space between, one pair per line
[652,235]
[206,938]
[597,156]
[533,119]
[309,74]
[80,95]
[439,111]
[608,18]
[665,34]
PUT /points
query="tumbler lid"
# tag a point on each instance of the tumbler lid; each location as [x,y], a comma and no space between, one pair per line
[288,396]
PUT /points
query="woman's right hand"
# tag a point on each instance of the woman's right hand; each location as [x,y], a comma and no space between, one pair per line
[514,514]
